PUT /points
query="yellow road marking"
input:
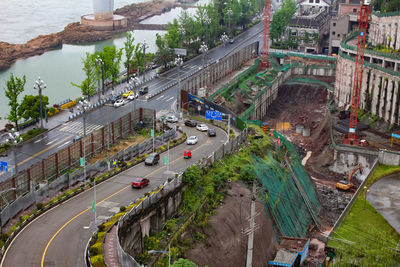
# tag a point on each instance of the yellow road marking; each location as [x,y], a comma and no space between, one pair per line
[119,191]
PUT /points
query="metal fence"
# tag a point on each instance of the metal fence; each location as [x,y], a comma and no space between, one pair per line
[169,186]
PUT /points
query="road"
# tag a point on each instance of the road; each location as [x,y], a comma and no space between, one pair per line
[59,237]
[49,143]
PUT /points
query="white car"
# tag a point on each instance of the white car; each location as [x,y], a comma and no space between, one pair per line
[202,127]
[192,140]
[119,103]
[171,118]
[133,96]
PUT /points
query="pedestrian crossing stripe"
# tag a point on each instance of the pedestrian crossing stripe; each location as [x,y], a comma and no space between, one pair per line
[77,127]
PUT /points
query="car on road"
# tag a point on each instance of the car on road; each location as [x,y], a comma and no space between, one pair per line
[152,159]
[140,182]
[171,118]
[192,140]
[202,127]
[191,123]
[127,93]
[211,132]
[115,98]
[187,154]
[231,41]
[119,103]
[133,96]
[144,90]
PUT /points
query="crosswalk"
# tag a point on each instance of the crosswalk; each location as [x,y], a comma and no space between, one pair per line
[76,127]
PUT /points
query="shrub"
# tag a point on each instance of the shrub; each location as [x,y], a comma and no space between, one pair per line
[102,227]
[3,237]
[9,126]
[122,209]
[93,251]
[39,206]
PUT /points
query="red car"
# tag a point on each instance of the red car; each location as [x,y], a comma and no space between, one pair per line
[187,154]
[140,182]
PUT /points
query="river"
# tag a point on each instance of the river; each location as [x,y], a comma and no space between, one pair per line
[58,67]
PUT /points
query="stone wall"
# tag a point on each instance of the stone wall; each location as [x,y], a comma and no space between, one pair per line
[379,90]
[385,30]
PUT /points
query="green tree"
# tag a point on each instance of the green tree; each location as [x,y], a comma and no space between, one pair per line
[183,263]
[88,85]
[282,19]
[15,86]
[111,58]
[30,107]
[129,53]
[163,56]
[172,36]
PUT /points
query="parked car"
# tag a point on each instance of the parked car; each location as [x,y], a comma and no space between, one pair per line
[187,154]
[115,98]
[119,103]
[133,96]
[152,159]
[140,182]
[202,127]
[127,93]
[191,123]
[211,132]
[192,140]
[171,118]
[144,90]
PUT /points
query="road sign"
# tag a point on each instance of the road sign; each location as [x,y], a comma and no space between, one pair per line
[152,132]
[214,115]
[180,51]
[93,206]
[4,166]
[165,160]
[82,162]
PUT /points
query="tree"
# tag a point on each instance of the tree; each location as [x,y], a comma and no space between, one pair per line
[183,263]
[88,86]
[30,107]
[172,36]
[282,19]
[129,53]
[111,58]
[15,86]
[163,55]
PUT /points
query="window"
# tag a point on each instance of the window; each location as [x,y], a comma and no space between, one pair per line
[338,35]
[354,10]
[316,1]
[334,24]
[311,1]
[333,33]
[294,33]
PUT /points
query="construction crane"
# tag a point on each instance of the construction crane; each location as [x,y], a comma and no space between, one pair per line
[347,184]
[267,20]
[352,138]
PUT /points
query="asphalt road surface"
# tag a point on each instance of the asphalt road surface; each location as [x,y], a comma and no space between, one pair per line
[59,237]
[35,150]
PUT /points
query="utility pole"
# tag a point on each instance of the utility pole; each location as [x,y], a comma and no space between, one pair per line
[229,127]
[99,64]
[39,85]
[178,62]
[153,132]
[144,46]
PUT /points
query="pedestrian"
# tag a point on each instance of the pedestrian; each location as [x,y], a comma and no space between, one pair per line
[141,124]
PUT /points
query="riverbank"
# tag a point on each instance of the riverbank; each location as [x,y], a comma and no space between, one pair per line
[75,33]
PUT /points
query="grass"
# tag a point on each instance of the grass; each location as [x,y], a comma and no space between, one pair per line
[364,233]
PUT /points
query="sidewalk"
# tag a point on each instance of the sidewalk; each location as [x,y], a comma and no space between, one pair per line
[110,248]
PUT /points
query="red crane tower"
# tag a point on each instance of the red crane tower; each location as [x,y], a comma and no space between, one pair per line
[352,138]
[267,20]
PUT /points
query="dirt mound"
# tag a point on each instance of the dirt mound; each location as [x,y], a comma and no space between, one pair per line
[226,244]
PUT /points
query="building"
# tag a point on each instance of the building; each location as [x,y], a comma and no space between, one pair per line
[312,6]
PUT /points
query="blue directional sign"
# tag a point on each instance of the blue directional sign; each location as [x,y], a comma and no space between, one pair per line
[214,115]
[4,166]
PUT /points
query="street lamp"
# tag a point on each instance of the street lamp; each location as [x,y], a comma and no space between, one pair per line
[229,13]
[39,85]
[99,64]
[203,49]
[15,137]
[178,62]
[224,38]
[163,251]
[207,21]
[85,105]
[182,32]
[144,46]
[133,82]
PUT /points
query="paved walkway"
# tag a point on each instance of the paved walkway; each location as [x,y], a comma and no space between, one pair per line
[110,248]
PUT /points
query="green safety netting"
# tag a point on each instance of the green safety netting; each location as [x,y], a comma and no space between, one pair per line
[287,191]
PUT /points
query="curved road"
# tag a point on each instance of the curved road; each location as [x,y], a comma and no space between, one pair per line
[59,237]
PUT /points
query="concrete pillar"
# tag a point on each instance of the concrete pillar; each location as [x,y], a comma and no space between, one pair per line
[383,63]
[397,36]
[363,88]
[389,99]
[374,93]
[393,119]
[382,99]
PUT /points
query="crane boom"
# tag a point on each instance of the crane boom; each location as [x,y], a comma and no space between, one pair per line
[352,138]
[267,20]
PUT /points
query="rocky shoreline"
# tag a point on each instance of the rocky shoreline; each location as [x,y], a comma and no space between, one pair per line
[75,33]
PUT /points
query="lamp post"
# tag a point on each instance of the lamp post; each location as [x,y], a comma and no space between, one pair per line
[182,32]
[133,82]
[163,251]
[99,64]
[365,198]
[224,38]
[15,137]
[39,85]
[85,106]
[229,13]
[207,21]
[203,49]
[178,62]
[144,46]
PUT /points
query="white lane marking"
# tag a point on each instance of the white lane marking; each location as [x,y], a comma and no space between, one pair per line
[169,99]
[37,141]
[51,141]
[66,143]
[161,96]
